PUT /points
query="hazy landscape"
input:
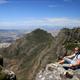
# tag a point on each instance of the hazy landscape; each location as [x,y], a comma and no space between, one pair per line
[35,35]
[9,36]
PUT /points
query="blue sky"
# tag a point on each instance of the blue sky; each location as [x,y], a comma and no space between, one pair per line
[28,14]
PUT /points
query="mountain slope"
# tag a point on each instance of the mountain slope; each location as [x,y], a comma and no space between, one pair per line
[27,53]
[32,52]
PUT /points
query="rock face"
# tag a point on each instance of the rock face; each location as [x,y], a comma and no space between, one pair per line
[4,73]
[57,72]
[7,75]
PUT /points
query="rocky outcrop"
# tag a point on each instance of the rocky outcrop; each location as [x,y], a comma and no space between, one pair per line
[4,73]
[57,72]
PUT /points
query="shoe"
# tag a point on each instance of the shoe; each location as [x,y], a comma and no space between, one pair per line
[68,75]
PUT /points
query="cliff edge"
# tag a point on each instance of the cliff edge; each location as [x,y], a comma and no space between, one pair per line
[57,72]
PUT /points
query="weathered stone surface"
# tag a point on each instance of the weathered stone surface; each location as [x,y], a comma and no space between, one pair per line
[6,74]
[57,72]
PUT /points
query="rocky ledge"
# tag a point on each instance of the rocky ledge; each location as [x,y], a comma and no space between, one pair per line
[57,72]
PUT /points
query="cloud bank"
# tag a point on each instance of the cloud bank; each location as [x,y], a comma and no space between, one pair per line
[52,22]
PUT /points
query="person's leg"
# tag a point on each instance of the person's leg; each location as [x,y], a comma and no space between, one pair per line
[76,66]
[61,61]
[67,60]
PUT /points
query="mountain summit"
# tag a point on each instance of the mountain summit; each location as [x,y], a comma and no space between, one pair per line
[25,56]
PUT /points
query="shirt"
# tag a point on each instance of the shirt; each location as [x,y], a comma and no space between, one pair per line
[77,56]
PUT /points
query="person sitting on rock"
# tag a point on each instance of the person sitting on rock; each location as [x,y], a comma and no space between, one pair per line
[72,60]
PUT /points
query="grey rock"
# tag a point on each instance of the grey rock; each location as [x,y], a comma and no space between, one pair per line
[57,72]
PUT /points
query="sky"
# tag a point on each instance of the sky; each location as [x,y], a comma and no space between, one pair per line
[31,14]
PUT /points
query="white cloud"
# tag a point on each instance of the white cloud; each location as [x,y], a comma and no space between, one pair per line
[63,22]
[52,22]
[67,0]
[52,6]
[3,1]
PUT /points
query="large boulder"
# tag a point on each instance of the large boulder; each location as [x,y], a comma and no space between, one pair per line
[6,74]
[10,75]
